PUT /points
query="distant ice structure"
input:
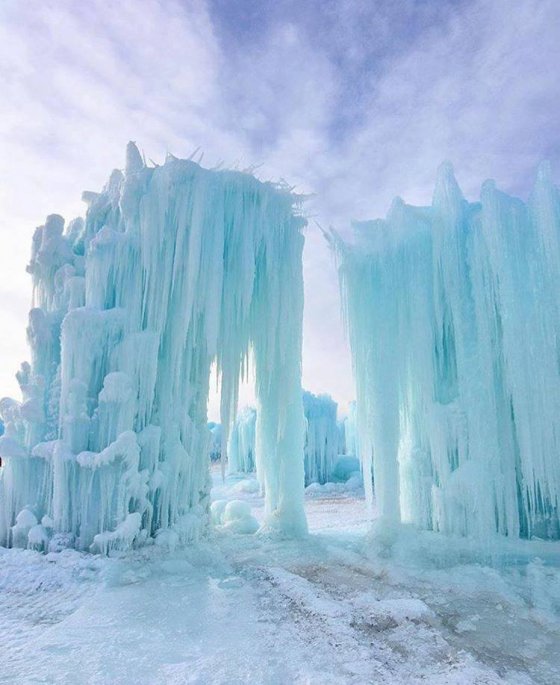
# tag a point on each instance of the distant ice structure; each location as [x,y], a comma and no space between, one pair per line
[351,441]
[241,446]
[341,428]
[174,267]
[323,440]
[321,437]
[454,323]
[215,448]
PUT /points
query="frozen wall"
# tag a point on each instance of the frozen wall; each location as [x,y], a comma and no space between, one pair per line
[174,267]
[454,322]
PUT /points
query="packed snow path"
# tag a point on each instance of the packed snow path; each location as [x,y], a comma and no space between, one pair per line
[246,609]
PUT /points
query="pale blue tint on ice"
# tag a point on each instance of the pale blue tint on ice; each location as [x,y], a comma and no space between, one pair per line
[174,267]
[454,320]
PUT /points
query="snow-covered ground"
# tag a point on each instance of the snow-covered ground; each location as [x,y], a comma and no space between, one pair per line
[334,608]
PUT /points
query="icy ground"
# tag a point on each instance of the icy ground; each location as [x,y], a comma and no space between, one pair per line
[247,609]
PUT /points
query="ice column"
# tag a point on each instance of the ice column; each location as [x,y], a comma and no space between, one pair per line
[454,325]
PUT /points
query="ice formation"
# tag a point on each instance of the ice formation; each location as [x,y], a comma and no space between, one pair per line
[233,515]
[454,324]
[174,267]
[323,441]
[351,441]
[322,437]
[215,445]
[241,446]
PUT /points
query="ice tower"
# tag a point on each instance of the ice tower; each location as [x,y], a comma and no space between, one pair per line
[454,323]
[173,268]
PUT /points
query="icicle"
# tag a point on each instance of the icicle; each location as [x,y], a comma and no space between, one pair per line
[175,267]
[454,325]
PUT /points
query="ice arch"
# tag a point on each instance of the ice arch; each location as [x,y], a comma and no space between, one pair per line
[174,267]
[454,322]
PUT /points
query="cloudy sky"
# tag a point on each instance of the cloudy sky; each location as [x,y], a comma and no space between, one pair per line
[352,101]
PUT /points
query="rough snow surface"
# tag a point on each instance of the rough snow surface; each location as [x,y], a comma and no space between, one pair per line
[258,609]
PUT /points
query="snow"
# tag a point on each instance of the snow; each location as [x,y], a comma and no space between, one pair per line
[454,326]
[174,269]
[253,608]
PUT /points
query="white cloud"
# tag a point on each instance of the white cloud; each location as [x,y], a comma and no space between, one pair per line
[354,101]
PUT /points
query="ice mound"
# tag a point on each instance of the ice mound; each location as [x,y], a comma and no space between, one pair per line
[346,467]
[217,509]
[354,484]
[234,516]
[247,485]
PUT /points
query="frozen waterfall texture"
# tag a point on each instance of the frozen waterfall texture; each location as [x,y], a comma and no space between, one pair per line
[454,322]
[174,267]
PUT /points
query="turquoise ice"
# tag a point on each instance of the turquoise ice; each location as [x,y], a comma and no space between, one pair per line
[174,268]
[454,323]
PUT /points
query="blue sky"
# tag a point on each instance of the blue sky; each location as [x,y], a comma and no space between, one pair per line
[352,101]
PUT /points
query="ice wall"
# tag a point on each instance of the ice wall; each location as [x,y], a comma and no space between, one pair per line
[454,324]
[174,267]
